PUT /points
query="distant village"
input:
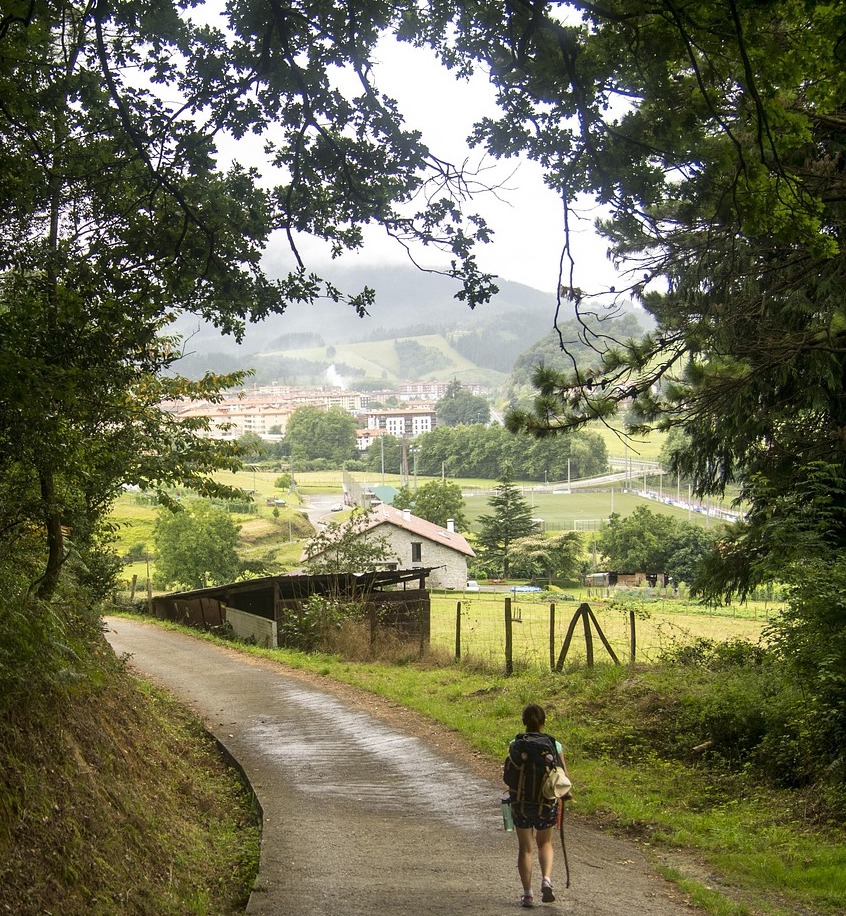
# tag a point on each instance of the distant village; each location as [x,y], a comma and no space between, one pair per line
[265,409]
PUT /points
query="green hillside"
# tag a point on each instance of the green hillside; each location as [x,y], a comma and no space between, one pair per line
[380,360]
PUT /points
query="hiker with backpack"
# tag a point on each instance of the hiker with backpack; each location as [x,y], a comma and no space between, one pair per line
[537,781]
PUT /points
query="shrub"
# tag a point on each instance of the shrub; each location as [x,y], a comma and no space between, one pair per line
[729,705]
[136,553]
[810,635]
[714,655]
[312,628]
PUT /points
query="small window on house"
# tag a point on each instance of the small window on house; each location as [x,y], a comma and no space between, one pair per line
[416,551]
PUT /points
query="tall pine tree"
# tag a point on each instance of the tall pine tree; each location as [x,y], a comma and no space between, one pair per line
[510,521]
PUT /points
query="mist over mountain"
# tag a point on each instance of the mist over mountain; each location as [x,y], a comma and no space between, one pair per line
[409,302]
[415,314]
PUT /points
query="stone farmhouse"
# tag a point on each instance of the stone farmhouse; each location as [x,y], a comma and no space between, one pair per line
[419,544]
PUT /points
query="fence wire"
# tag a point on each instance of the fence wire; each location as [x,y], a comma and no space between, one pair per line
[657,629]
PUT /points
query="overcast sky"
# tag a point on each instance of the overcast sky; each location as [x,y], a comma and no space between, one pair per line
[526,217]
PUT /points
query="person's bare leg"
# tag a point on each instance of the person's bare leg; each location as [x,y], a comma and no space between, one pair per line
[525,856]
[545,850]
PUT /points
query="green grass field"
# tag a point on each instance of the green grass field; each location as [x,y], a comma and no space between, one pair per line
[621,445]
[585,509]
[661,624]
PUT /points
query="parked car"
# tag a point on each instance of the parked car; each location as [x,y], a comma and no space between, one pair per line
[337,507]
[472,586]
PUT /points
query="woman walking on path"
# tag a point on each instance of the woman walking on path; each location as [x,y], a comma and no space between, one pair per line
[530,755]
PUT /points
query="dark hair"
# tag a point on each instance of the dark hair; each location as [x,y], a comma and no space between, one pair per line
[534,717]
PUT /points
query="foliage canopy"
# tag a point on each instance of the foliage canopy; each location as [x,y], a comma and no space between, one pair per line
[482,451]
[540,557]
[460,406]
[720,161]
[648,542]
[119,213]
[437,501]
[196,546]
[315,433]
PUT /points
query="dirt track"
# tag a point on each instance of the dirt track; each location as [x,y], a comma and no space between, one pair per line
[368,807]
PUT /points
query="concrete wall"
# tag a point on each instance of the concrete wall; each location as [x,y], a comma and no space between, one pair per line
[246,626]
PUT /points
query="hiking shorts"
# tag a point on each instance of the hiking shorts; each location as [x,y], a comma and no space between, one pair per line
[526,816]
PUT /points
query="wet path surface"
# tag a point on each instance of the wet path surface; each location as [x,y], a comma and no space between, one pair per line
[361,817]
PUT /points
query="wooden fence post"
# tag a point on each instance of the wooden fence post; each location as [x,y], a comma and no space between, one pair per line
[601,635]
[509,658]
[588,638]
[552,636]
[632,637]
[588,617]
[565,646]
[458,631]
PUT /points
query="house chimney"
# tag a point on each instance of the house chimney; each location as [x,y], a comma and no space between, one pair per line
[451,525]
[406,515]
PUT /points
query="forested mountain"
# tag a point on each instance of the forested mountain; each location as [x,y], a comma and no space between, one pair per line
[409,303]
[584,340]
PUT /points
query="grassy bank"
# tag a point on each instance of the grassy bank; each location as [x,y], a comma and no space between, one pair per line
[115,800]
[657,753]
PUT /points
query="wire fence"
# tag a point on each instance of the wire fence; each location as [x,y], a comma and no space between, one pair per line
[532,633]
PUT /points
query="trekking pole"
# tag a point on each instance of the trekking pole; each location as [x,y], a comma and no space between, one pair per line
[563,845]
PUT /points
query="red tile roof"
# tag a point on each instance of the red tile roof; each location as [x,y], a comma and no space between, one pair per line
[388,515]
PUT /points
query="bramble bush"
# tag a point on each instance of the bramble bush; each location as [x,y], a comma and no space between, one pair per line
[310,629]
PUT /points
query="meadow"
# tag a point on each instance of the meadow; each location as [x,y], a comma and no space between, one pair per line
[661,624]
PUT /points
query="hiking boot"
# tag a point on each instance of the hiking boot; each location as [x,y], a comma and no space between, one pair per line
[547,894]
[527,900]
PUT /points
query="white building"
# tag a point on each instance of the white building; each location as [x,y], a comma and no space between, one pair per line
[417,543]
[404,423]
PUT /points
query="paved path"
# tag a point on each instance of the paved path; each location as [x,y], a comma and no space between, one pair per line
[360,817]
